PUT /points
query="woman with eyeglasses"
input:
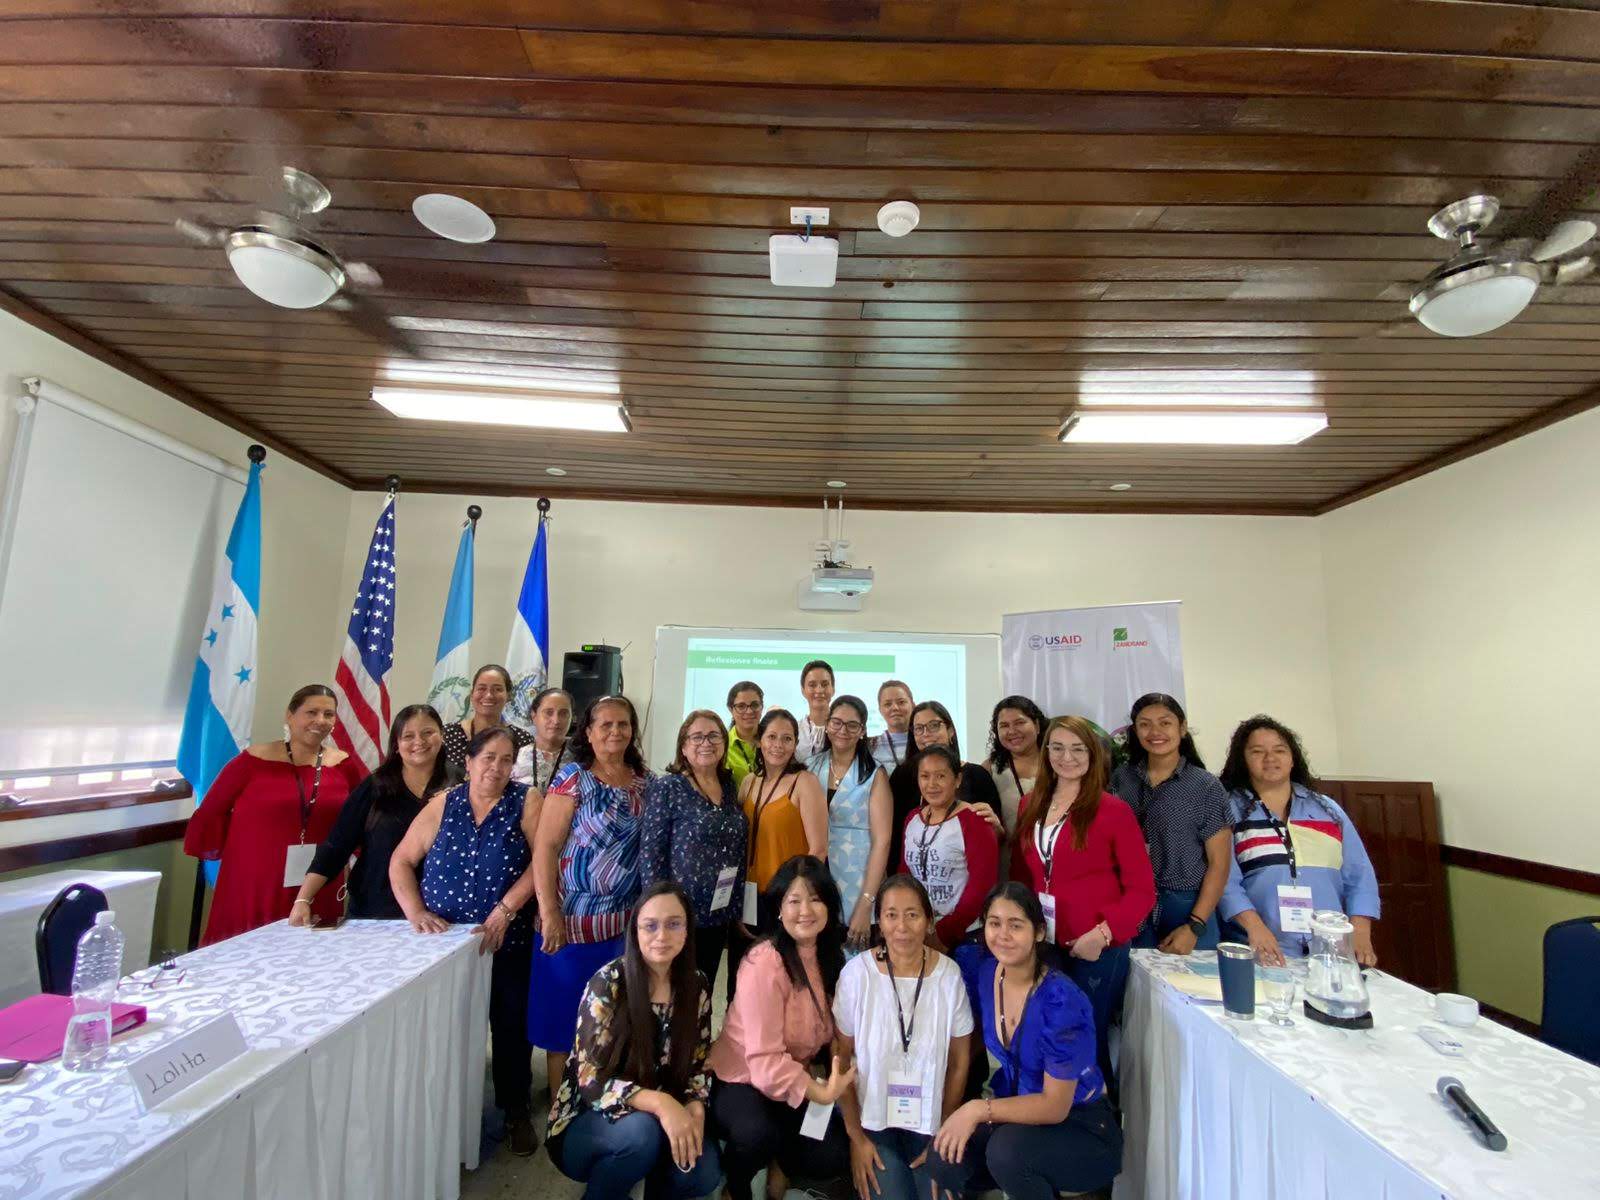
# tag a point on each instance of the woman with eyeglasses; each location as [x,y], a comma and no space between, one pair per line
[932,725]
[551,714]
[745,701]
[859,812]
[695,833]
[486,709]
[1080,848]
[903,1020]
[1047,1129]
[631,1106]
[949,849]
[1016,747]
[778,1024]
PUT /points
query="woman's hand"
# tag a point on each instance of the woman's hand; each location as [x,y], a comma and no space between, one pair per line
[860,926]
[679,1127]
[697,1114]
[865,1164]
[828,1091]
[427,922]
[1263,943]
[552,931]
[300,914]
[493,929]
[1180,941]
[992,818]
[951,1140]
[1089,946]
[1361,942]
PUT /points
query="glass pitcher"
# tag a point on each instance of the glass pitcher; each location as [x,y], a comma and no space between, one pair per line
[1334,987]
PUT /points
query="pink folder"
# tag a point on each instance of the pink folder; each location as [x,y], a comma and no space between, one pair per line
[34,1030]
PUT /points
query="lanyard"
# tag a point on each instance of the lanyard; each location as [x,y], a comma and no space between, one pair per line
[1008,1044]
[755,821]
[894,755]
[1279,828]
[554,767]
[930,833]
[1045,840]
[906,1031]
[316,785]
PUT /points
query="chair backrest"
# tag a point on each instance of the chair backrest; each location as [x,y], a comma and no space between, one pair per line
[1572,987]
[61,924]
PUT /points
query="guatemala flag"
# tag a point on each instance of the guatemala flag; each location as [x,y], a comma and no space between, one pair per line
[452,666]
[222,695]
[528,659]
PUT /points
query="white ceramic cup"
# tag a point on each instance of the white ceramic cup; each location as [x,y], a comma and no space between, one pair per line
[1456,1010]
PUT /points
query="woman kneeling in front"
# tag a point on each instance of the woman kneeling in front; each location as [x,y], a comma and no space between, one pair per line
[632,1103]
[765,1104]
[1048,1127]
[902,1014]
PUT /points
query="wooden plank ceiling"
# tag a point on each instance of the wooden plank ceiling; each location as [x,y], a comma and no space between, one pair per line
[1175,199]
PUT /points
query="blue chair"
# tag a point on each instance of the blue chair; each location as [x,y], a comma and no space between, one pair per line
[65,920]
[1572,988]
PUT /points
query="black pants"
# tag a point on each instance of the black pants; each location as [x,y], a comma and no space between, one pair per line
[1037,1162]
[508,1030]
[756,1129]
[709,943]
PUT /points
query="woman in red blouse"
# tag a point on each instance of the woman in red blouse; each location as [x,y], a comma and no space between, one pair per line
[265,813]
[1081,849]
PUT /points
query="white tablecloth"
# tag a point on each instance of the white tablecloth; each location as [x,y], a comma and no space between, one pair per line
[1246,1110]
[363,1078]
[131,893]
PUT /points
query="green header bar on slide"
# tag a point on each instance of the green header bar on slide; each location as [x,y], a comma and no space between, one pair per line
[759,660]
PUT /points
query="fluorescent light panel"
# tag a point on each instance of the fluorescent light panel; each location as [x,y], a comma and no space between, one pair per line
[1192,428]
[503,406]
[432,377]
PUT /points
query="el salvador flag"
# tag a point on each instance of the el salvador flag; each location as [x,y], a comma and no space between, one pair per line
[222,695]
[448,690]
[528,659]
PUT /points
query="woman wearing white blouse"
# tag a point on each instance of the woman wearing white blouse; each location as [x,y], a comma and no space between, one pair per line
[902,1015]
[551,713]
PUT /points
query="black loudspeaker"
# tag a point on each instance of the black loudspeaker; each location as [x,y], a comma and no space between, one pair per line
[590,673]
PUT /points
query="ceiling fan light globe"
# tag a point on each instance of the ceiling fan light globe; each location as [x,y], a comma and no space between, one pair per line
[1477,300]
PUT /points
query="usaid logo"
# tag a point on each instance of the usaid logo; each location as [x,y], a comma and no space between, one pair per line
[1053,641]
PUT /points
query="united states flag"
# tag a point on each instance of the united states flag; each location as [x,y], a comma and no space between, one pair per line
[360,680]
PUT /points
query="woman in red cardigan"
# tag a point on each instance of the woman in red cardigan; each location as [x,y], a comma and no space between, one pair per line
[949,848]
[1081,849]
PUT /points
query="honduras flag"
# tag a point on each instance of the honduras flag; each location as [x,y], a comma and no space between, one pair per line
[452,664]
[222,695]
[528,659]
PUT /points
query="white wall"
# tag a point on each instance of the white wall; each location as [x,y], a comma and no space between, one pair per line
[1464,618]
[1254,629]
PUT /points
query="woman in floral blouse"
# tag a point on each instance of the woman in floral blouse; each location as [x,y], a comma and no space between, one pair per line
[632,1101]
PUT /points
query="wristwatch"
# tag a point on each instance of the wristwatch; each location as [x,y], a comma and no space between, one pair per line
[1196,925]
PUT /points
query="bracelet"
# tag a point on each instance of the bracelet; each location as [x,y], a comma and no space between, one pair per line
[298,900]
[511,913]
[988,1111]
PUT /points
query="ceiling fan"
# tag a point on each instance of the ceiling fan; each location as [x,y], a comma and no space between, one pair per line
[277,260]
[1486,284]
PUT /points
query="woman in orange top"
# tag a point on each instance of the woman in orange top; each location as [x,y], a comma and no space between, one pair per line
[788,815]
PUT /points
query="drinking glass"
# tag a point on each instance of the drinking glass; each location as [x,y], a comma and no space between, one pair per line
[1277,984]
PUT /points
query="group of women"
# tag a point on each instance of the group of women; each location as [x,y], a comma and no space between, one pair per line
[895,918]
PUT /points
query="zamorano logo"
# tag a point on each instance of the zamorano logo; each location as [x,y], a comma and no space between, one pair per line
[1121,641]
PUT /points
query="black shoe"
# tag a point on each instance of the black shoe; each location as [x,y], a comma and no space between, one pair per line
[522,1139]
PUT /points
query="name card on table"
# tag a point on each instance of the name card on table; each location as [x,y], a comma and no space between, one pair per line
[164,1072]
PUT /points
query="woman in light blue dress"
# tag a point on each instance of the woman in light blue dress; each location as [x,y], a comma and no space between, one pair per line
[860,809]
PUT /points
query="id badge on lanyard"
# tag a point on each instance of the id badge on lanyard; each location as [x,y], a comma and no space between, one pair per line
[724,892]
[906,1094]
[1294,908]
[296,862]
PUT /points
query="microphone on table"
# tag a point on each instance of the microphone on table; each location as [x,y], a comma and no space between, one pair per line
[1454,1092]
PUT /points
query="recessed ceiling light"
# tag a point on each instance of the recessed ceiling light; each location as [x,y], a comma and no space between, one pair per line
[836,483]
[1257,427]
[1121,487]
[554,471]
[452,217]
[504,406]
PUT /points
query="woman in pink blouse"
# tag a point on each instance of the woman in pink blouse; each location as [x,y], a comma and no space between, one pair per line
[779,1022]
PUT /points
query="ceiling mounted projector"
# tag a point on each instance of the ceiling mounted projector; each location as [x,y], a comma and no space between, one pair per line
[799,261]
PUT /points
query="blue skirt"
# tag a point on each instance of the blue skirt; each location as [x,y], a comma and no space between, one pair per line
[555,989]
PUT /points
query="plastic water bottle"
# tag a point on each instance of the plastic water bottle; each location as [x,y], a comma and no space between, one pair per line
[94,986]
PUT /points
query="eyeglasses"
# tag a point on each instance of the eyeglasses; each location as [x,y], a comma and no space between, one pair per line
[671,925]
[1078,751]
[927,728]
[838,726]
[704,739]
[747,707]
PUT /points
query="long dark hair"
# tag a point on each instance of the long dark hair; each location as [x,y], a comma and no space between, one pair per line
[999,756]
[943,714]
[1025,898]
[830,942]
[950,758]
[390,795]
[865,763]
[1137,754]
[1236,772]
[578,743]
[631,1051]
[794,764]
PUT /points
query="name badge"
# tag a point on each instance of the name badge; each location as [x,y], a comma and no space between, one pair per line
[1294,908]
[748,915]
[815,1125]
[162,1073]
[724,892]
[1048,903]
[296,862]
[905,1098]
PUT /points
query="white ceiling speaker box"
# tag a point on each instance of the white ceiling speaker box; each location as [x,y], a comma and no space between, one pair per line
[898,218]
[803,262]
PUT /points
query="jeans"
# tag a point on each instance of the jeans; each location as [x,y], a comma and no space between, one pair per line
[1103,981]
[613,1156]
[1172,910]
[508,1029]
[898,1148]
[755,1129]
[1036,1162]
